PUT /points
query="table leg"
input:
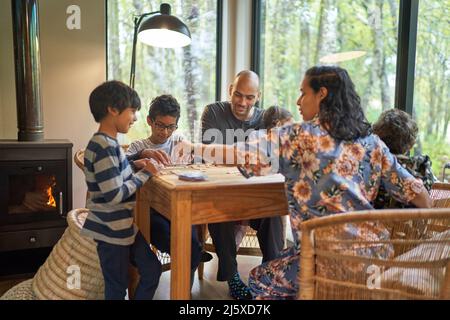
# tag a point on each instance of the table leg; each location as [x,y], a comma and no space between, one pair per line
[202,229]
[180,246]
[142,212]
[142,220]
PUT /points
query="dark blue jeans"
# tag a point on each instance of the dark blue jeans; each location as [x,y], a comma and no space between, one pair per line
[114,261]
[160,237]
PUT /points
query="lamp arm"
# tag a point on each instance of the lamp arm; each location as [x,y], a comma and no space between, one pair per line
[137,22]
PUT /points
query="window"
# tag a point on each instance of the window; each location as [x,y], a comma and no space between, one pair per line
[432,83]
[188,73]
[296,35]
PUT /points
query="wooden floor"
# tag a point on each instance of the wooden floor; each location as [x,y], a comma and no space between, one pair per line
[206,289]
[209,288]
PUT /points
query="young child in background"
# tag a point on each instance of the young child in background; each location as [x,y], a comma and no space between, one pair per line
[276,116]
[112,186]
[398,130]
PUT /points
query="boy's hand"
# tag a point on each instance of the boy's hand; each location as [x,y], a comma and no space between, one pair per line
[139,164]
[159,155]
[152,166]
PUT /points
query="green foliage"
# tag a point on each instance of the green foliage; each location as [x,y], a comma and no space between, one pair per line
[432,82]
[438,151]
[295,36]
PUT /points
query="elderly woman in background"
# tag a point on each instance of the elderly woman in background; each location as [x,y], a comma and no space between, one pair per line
[332,164]
[398,130]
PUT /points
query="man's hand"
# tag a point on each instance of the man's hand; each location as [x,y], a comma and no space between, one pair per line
[158,155]
[182,152]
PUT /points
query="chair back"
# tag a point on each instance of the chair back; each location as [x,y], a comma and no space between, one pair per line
[78,158]
[376,254]
[440,194]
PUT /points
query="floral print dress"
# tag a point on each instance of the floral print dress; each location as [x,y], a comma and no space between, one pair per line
[323,176]
[420,167]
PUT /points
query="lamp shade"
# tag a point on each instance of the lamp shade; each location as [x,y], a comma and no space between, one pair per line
[164,31]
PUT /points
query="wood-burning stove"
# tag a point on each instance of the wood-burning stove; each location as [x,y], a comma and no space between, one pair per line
[35,192]
[35,174]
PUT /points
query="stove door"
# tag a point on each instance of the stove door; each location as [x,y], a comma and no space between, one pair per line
[32,191]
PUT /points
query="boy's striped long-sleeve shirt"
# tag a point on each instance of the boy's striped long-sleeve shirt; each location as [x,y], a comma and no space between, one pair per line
[111,187]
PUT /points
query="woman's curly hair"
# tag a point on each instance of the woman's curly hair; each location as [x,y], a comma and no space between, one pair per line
[340,111]
[397,129]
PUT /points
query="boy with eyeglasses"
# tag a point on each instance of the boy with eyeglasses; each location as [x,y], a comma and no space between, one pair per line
[163,116]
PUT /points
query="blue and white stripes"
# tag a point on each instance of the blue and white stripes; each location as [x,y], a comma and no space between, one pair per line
[111,186]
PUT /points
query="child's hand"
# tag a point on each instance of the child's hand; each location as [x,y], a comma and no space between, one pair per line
[139,164]
[152,166]
[159,155]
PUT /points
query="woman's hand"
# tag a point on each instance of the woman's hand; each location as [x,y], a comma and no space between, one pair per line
[422,200]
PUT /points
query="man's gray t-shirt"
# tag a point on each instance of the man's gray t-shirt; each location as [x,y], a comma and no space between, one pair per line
[220,126]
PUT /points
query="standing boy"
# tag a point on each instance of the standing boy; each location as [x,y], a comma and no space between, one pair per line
[112,186]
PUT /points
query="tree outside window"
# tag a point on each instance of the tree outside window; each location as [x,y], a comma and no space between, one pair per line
[432,83]
[188,73]
[297,35]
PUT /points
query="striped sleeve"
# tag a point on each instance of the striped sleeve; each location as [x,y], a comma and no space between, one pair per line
[110,180]
[133,148]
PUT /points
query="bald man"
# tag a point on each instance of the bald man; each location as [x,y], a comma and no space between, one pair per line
[229,122]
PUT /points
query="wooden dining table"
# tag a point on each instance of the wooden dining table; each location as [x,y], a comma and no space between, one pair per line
[225,195]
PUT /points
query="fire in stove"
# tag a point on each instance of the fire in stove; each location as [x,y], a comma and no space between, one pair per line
[51,200]
[35,193]
[38,198]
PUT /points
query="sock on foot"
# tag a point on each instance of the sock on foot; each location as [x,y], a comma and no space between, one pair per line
[238,289]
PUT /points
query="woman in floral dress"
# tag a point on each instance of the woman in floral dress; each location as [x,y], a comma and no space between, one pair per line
[332,164]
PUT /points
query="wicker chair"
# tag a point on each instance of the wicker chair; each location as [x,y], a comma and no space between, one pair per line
[394,254]
[247,245]
[164,258]
[440,194]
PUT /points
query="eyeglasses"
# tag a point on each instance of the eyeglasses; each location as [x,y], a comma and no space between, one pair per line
[161,126]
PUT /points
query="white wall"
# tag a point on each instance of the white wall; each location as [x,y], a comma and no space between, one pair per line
[8,118]
[73,62]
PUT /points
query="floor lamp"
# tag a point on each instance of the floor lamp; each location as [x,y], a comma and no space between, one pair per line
[159,29]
